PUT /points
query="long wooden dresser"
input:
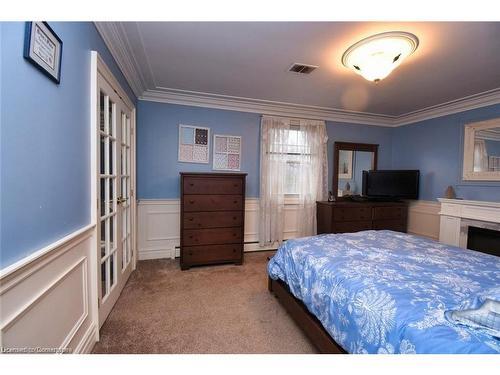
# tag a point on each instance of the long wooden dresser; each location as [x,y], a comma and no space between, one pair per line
[347,216]
[212,218]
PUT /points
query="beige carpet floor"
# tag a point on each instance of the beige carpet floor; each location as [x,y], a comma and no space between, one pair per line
[216,309]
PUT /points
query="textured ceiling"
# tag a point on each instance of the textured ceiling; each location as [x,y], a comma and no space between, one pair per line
[250,60]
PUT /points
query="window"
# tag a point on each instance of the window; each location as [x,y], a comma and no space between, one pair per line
[494,164]
[293,170]
[294,145]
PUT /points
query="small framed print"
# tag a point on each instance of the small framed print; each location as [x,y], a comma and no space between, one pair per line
[227,153]
[194,144]
[43,48]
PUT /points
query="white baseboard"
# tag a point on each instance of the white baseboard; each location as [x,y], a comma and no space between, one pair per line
[48,299]
[88,341]
[254,246]
[146,254]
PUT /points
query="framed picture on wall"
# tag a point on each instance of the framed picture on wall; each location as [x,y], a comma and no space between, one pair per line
[345,164]
[194,144]
[227,153]
[43,48]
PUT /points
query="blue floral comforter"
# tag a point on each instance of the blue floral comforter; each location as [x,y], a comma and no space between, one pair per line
[387,292]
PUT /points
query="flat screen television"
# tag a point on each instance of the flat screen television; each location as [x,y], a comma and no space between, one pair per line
[391,184]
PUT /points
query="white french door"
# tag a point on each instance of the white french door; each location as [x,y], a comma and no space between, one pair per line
[114,204]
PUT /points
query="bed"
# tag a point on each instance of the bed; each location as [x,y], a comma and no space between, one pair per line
[385,292]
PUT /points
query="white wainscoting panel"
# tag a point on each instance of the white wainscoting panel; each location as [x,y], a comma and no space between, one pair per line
[46,302]
[159,227]
[423,218]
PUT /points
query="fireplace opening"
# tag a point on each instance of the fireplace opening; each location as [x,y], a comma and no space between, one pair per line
[483,240]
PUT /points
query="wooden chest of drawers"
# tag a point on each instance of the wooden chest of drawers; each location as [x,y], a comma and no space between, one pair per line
[212,218]
[345,216]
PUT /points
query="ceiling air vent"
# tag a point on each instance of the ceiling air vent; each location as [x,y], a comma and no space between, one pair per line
[302,68]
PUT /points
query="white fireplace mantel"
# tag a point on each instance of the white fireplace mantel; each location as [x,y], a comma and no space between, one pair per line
[455,214]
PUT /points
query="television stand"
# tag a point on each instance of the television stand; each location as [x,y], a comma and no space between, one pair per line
[354,216]
[364,198]
[384,199]
[357,198]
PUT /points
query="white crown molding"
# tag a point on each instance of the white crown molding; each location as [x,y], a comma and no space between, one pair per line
[115,39]
[467,103]
[265,107]
[135,73]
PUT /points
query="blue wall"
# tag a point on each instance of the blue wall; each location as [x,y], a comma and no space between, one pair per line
[344,132]
[432,146]
[45,161]
[157,144]
[435,147]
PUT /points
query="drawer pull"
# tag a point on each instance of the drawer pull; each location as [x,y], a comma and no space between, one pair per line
[235,202]
[190,219]
[190,236]
[191,202]
[190,253]
[234,250]
[191,184]
[235,185]
[234,217]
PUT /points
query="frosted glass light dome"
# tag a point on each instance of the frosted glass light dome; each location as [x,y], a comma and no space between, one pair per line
[377,56]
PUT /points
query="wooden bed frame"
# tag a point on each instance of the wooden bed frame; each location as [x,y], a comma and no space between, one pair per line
[311,326]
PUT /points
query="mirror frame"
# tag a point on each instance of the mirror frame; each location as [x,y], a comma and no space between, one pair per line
[349,146]
[468,173]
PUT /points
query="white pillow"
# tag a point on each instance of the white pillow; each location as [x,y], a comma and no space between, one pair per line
[483,312]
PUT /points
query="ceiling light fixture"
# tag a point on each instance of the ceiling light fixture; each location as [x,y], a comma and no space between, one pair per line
[377,56]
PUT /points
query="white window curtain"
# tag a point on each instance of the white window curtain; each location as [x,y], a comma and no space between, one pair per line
[294,164]
[480,156]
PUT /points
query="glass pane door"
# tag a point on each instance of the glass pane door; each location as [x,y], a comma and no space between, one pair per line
[108,194]
[125,190]
[114,192]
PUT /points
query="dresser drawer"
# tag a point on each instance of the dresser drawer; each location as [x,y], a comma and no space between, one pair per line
[213,203]
[212,236]
[213,185]
[352,214]
[211,253]
[387,213]
[395,225]
[212,219]
[351,226]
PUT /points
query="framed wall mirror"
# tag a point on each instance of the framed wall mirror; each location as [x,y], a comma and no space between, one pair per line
[482,151]
[349,162]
